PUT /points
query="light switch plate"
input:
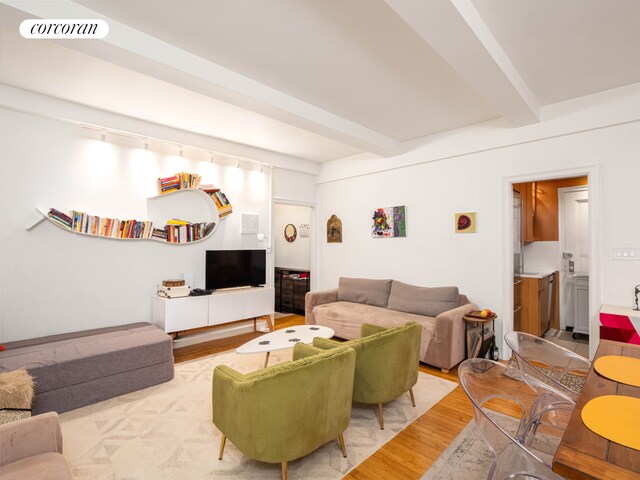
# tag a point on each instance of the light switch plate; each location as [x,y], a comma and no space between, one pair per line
[626,253]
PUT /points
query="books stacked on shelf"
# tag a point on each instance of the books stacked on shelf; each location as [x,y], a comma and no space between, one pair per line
[101,226]
[60,218]
[159,233]
[180,231]
[179,181]
[219,198]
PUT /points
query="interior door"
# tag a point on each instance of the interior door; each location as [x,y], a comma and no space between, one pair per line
[574,244]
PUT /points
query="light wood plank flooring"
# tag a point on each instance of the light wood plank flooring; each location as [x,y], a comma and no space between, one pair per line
[410,453]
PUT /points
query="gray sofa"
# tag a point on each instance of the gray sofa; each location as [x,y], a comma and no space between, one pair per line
[388,303]
[32,449]
[77,369]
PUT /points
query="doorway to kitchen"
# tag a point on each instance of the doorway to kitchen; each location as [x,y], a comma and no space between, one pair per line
[292,257]
[551,260]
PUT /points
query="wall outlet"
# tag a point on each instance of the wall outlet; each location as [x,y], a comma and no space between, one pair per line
[626,253]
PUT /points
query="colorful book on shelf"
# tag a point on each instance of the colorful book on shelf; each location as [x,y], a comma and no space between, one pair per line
[177,221]
[179,181]
[60,218]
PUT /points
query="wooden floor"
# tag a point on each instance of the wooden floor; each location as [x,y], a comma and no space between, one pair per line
[410,453]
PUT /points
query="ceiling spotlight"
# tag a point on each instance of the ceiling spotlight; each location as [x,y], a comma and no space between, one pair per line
[260,168]
[237,163]
[211,157]
[103,136]
[146,145]
[181,152]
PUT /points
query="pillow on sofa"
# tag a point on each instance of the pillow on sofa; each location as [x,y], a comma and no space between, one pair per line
[364,290]
[422,300]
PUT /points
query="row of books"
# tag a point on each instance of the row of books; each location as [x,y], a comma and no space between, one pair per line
[177,231]
[102,226]
[189,232]
[179,181]
[219,198]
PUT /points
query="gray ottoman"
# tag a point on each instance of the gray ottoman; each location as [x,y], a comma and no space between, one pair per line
[77,369]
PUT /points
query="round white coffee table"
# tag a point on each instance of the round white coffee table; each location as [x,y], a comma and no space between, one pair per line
[285,338]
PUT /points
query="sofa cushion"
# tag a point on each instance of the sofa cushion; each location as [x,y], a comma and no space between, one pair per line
[364,290]
[422,300]
[346,318]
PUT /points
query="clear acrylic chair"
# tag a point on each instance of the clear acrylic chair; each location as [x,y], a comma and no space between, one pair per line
[525,451]
[552,364]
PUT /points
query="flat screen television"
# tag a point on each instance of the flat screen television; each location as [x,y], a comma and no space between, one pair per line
[235,268]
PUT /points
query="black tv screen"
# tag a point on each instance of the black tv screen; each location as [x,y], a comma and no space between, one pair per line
[235,268]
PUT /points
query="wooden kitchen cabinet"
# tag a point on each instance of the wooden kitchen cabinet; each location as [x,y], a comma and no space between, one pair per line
[517,304]
[528,202]
[534,316]
[539,203]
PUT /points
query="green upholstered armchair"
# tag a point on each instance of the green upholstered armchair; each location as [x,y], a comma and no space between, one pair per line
[387,361]
[285,411]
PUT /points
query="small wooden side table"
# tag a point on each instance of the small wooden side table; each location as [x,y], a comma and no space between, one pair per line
[474,317]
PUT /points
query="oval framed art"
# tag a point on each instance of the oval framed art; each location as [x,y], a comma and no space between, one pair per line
[290,232]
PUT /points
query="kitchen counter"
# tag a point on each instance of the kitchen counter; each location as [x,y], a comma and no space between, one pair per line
[533,274]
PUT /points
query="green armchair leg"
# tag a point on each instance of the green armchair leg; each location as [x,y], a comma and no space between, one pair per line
[342,447]
[222,442]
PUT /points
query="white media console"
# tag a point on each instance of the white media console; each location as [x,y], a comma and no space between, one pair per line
[186,313]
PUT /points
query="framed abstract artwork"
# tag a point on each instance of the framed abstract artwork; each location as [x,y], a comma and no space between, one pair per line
[389,222]
[465,222]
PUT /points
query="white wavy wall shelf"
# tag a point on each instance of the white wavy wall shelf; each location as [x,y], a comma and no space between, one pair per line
[190,203]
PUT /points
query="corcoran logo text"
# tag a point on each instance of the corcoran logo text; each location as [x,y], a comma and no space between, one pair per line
[64,29]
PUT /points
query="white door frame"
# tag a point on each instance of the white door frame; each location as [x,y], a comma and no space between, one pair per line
[561,234]
[312,233]
[595,249]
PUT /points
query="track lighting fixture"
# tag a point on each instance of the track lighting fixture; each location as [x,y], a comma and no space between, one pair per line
[146,141]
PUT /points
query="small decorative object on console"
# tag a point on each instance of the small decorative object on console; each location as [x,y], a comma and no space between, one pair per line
[173,283]
[196,292]
[173,292]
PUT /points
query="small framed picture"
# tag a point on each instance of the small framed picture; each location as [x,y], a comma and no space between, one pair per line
[465,222]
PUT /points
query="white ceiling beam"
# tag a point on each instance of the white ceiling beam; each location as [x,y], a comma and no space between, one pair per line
[455,30]
[148,55]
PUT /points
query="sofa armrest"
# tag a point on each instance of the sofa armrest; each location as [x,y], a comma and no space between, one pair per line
[451,323]
[447,348]
[311,299]
[30,436]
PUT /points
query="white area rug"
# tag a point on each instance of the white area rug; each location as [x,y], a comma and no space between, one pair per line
[165,432]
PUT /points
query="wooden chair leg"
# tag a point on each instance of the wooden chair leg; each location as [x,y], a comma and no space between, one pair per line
[344,450]
[284,470]
[380,417]
[413,399]
[444,370]
[222,442]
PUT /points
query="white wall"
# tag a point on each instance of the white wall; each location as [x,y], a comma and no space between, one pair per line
[298,187]
[471,177]
[53,281]
[542,256]
[294,254]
